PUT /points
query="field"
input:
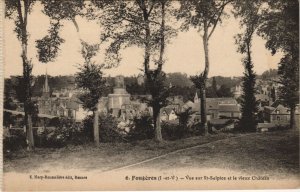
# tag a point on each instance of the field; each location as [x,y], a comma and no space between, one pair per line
[274,153]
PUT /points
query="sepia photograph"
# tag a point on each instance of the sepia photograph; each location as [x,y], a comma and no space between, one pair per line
[149,94]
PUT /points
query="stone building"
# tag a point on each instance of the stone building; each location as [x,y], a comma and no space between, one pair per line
[60,105]
[121,104]
[119,97]
[279,115]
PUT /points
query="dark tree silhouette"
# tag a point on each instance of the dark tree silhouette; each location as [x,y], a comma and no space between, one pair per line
[141,23]
[19,11]
[280,27]
[205,16]
[248,12]
[90,78]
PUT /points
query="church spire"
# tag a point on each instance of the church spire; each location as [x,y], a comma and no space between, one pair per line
[46,88]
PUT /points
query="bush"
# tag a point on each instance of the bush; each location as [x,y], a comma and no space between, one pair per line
[172,131]
[108,129]
[142,129]
[66,132]
[14,142]
[88,127]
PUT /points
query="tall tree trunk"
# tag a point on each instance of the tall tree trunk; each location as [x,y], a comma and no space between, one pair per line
[158,134]
[203,111]
[205,74]
[27,100]
[293,118]
[29,133]
[96,128]
[157,124]
[27,68]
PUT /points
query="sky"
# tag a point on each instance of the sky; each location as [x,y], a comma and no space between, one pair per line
[184,54]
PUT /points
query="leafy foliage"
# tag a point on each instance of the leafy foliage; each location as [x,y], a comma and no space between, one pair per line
[90,78]
[48,46]
[59,10]
[171,131]
[269,74]
[14,142]
[204,16]
[184,117]
[142,129]
[18,11]
[157,88]
[196,13]
[224,91]
[248,11]
[108,129]
[280,28]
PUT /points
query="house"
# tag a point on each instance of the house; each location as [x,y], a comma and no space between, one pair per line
[278,114]
[168,114]
[215,108]
[212,107]
[222,100]
[229,111]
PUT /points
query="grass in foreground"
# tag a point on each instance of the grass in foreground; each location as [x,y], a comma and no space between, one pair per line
[269,153]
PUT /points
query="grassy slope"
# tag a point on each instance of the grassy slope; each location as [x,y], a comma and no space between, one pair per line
[274,153]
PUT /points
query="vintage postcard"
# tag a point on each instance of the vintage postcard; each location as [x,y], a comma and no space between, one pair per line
[150,94]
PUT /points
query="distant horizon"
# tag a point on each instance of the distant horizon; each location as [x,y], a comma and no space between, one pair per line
[135,75]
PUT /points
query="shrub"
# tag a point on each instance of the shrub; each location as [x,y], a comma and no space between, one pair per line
[172,131]
[66,132]
[197,128]
[88,127]
[108,129]
[14,142]
[142,129]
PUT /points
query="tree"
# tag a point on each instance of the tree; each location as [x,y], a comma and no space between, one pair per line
[269,74]
[178,79]
[224,91]
[184,117]
[90,78]
[289,91]
[19,11]
[48,46]
[248,12]
[205,16]
[214,86]
[280,29]
[212,91]
[273,94]
[140,23]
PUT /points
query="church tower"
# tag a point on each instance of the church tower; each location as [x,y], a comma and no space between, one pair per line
[46,89]
[45,100]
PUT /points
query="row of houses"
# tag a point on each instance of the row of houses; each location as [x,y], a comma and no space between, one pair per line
[216,108]
[126,107]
